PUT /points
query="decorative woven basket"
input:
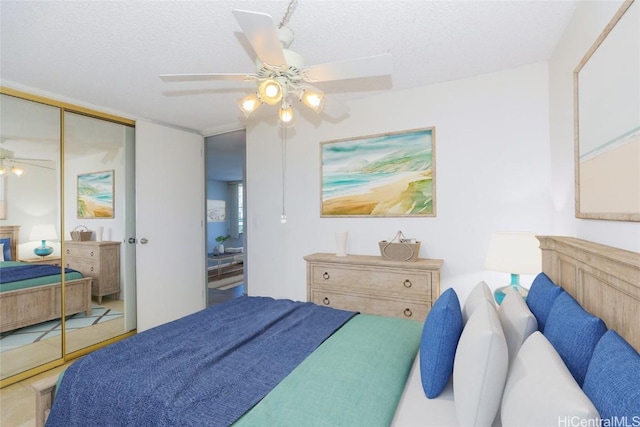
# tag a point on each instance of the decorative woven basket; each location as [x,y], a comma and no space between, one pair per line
[81,234]
[398,249]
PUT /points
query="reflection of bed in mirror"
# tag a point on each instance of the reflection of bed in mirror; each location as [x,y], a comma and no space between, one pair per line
[26,303]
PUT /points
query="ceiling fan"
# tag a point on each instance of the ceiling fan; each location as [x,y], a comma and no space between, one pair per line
[10,163]
[281,74]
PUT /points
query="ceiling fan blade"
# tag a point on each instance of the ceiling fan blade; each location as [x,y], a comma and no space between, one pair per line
[262,35]
[334,109]
[207,76]
[377,65]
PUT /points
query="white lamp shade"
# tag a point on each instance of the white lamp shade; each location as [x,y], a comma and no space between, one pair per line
[514,252]
[43,232]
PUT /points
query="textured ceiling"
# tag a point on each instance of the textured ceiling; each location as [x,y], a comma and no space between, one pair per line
[109,53]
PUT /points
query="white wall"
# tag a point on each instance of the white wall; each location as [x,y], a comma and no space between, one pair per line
[492,173]
[588,22]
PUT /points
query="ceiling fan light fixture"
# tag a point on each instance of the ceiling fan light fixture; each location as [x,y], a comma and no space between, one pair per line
[249,104]
[313,99]
[17,171]
[286,115]
[270,91]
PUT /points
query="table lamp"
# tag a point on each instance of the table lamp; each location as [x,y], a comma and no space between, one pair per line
[513,252]
[43,232]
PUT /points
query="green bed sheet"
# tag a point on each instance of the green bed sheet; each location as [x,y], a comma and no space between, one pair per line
[30,283]
[355,378]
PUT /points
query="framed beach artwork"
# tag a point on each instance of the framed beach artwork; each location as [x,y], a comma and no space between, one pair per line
[386,175]
[95,195]
[216,211]
[607,122]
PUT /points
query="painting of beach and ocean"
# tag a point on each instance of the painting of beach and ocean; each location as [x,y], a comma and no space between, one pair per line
[95,195]
[387,175]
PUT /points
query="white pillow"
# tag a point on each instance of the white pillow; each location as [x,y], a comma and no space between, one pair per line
[518,322]
[480,367]
[479,293]
[540,390]
[1,251]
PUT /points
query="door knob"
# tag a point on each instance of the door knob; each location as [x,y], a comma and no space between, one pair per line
[144,241]
[132,240]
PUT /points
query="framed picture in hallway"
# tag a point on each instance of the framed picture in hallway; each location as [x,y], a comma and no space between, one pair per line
[216,211]
[385,175]
[607,122]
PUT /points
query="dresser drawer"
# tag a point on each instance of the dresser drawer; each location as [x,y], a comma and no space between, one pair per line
[88,267]
[399,282]
[415,310]
[82,251]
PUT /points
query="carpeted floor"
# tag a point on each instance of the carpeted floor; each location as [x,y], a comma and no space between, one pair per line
[45,330]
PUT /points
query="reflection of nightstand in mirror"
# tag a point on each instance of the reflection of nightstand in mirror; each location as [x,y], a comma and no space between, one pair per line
[47,260]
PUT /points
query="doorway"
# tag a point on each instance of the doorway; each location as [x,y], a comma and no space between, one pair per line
[226,247]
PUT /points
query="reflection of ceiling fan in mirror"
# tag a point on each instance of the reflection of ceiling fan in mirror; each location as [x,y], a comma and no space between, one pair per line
[15,165]
[280,73]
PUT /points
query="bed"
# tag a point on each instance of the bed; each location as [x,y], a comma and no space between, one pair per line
[368,372]
[27,306]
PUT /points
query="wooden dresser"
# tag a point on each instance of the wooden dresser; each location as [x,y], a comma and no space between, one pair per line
[99,260]
[373,285]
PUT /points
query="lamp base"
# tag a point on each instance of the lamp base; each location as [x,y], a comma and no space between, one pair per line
[500,293]
[43,250]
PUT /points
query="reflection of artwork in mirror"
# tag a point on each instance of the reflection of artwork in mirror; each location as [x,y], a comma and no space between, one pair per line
[216,211]
[3,199]
[95,195]
[607,122]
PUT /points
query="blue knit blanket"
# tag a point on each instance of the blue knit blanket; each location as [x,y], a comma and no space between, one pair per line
[205,369]
[24,272]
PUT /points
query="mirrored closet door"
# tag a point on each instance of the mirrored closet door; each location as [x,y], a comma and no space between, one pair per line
[66,202]
[30,147]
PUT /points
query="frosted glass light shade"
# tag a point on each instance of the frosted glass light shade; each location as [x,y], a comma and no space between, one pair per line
[249,104]
[313,99]
[286,115]
[270,91]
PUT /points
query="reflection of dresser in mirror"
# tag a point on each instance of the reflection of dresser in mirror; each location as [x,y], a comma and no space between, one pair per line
[99,260]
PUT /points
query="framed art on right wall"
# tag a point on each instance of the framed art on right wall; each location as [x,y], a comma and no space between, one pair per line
[607,121]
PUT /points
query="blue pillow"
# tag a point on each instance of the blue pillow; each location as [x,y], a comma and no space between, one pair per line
[440,336]
[7,248]
[541,297]
[574,333]
[613,378]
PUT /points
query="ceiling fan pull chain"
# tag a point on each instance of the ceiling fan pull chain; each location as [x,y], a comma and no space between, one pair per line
[287,15]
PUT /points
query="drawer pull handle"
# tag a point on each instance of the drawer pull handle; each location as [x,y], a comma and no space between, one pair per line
[407,283]
[67,251]
[326,301]
[326,276]
[91,268]
[91,253]
[408,312]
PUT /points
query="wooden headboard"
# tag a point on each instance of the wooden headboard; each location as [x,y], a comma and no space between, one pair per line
[603,279]
[12,232]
